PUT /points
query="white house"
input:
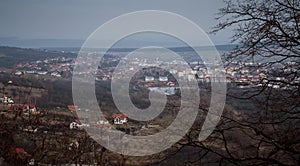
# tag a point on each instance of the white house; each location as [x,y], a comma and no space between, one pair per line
[163,78]
[119,119]
[149,78]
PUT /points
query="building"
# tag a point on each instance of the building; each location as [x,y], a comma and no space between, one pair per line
[7,100]
[78,125]
[163,78]
[73,108]
[31,108]
[119,119]
[171,83]
[103,124]
[180,74]
[191,77]
[149,78]
[173,71]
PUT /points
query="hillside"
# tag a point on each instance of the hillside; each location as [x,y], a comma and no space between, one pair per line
[10,56]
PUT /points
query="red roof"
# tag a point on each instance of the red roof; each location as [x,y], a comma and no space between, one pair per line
[21,107]
[31,106]
[122,116]
[72,107]
[17,150]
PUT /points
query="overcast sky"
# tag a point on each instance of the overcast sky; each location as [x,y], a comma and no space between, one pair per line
[77,19]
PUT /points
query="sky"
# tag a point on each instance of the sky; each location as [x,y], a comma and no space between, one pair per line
[77,19]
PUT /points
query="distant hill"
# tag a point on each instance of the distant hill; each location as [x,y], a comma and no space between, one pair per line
[38,43]
[10,56]
[226,47]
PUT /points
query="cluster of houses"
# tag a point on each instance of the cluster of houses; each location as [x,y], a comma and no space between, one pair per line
[118,119]
[24,108]
[237,72]
[49,66]
[7,100]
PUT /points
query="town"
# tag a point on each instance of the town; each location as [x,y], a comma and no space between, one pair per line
[30,83]
[243,74]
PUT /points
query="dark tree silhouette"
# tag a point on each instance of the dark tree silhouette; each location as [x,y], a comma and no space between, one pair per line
[268,36]
[267,32]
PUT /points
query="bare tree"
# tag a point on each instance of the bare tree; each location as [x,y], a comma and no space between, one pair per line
[267,31]
[268,36]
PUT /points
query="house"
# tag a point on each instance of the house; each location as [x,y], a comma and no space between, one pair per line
[103,124]
[119,119]
[73,108]
[31,108]
[18,73]
[30,129]
[78,125]
[74,125]
[173,71]
[73,145]
[17,150]
[149,78]
[191,77]
[171,83]
[19,153]
[163,78]
[8,100]
[16,107]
